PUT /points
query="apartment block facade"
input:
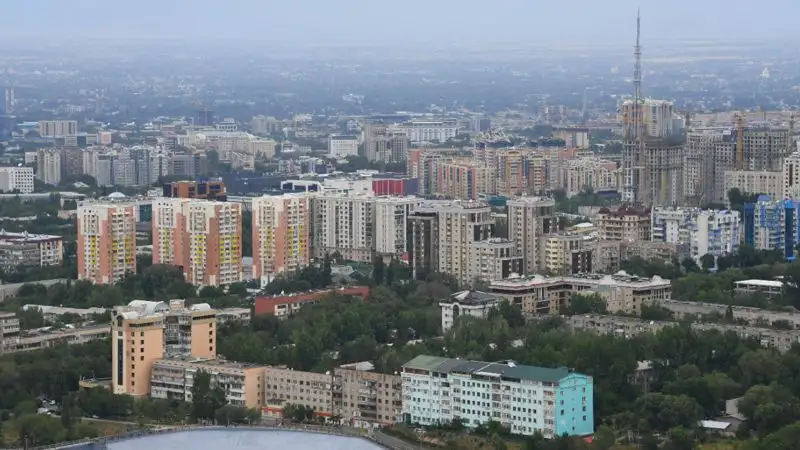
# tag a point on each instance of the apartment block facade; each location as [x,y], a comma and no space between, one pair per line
[144,332]
[173,379]
[202,237]
[529,219]
[19,179]
[281,241]
[525,399]
[538,294]
[106,242]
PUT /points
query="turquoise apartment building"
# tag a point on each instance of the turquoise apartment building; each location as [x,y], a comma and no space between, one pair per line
[525,399]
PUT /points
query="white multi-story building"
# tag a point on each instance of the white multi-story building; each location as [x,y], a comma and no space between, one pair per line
[529,219]
[466,303]
[791,177]
[391,224]
[704,231]
[342,146]
[419,131]
[524,399]
[19,179]
[48,166]
[342,223]
[57,128]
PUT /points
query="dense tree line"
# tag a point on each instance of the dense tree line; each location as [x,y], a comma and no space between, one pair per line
[152,282]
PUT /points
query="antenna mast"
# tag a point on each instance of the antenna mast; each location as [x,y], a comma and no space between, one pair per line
[638,114]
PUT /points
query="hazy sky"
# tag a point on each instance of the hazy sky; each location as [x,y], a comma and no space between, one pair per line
[453,22]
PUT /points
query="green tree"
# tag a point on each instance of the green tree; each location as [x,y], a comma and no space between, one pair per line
[586,304]
[707,261]
[38,429]
[206,398]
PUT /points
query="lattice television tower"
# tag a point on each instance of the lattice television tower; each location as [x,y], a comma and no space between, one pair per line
[634,147]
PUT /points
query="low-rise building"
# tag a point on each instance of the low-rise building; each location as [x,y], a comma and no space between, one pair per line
[286,305]
[550,295]
[466,303]
[228,315]
[524,399]
[627,327]
[53,313]
[284,386]
[768,288]
[47,338]
[44,250]
[173,379]
[365,398]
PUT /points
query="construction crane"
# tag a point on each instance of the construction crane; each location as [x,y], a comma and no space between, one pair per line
[739,141]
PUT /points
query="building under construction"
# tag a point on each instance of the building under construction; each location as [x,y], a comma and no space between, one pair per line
[653,148]
[711,152]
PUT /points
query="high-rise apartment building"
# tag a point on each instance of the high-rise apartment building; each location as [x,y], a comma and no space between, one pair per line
[465,179]
[653,152]
[712,152]
[343,223]
[772,225]
[529,219]
[524,399]
[422,164]
[423,245]
[48,166]
[202,237]
[281,226]
[790,178]
[493,259]
[144,332]
[137,343]
[106,241]
[764,182]
[19,179]
[460,224]
[390,225]
[57,128]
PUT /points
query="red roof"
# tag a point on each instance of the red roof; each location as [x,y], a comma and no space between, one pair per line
[266,305]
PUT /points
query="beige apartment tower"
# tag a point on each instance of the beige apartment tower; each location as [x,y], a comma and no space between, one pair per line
[144,332]
[529,219]
[202,237]
[281,228]
[106,242]
[137,343]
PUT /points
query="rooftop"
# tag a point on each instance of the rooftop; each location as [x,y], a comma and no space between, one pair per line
[471,298]
[761,283]
[620,278]
[505,370]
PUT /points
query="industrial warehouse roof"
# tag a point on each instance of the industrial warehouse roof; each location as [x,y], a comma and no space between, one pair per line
[506,370]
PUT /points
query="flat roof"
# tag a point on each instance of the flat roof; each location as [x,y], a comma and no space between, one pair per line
[500,370]
[762,283]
